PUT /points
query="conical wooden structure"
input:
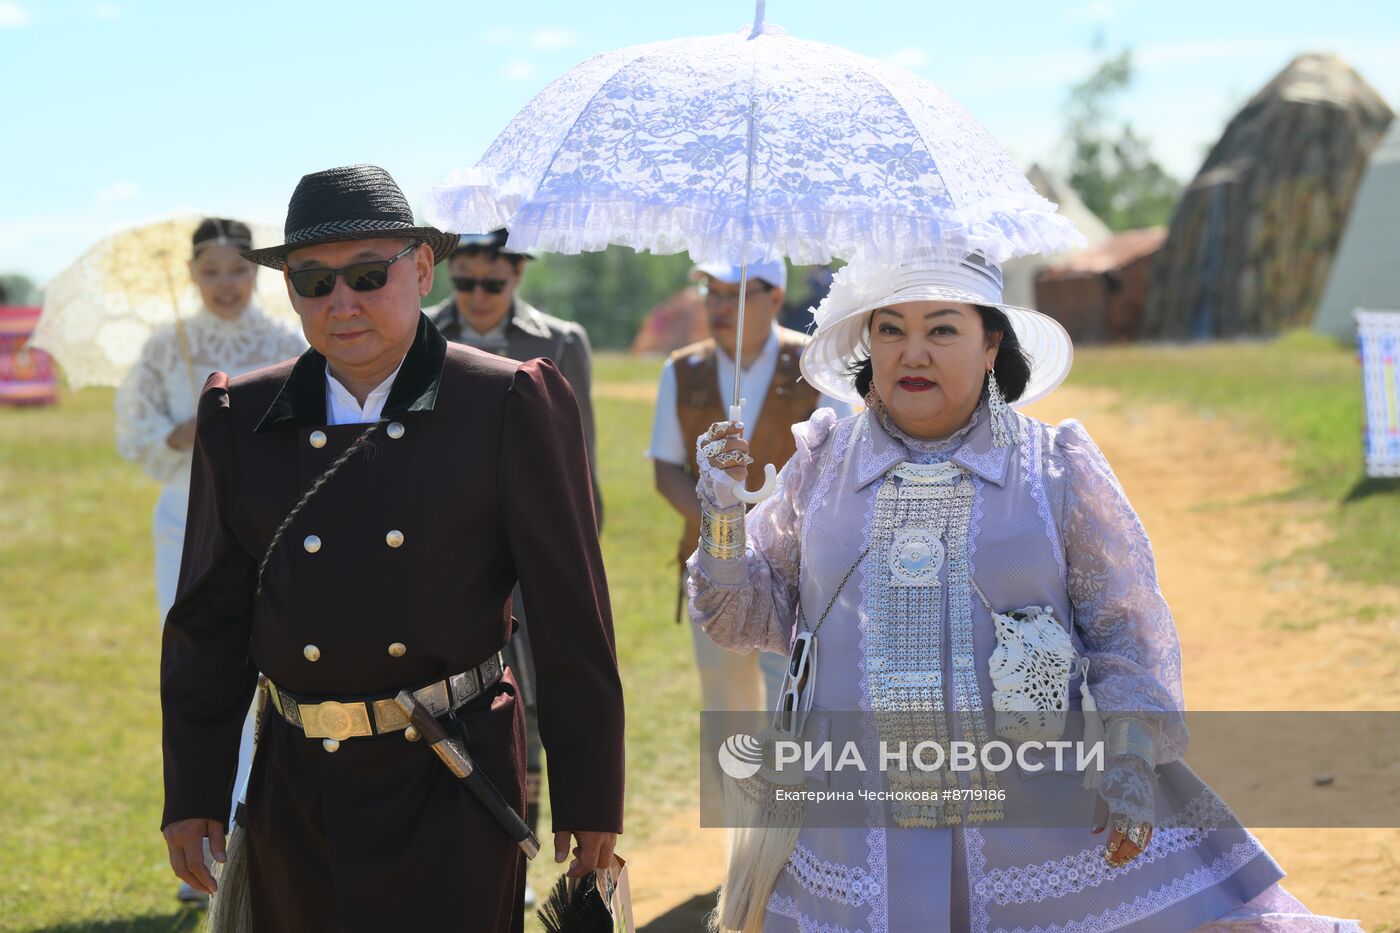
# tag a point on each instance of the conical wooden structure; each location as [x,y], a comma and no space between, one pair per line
[1252,239]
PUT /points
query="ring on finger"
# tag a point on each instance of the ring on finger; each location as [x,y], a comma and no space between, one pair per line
[713,449]
[1116,862]
[1139,833]
[731,458]
[718,430]
[1121,824]
[1116,855]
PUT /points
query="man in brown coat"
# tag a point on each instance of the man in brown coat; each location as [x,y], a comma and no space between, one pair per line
[358,518]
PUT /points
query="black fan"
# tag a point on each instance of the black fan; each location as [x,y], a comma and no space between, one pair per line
[575,905]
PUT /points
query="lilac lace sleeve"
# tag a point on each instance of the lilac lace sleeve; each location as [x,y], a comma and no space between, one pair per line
[752,602]
[1119,613]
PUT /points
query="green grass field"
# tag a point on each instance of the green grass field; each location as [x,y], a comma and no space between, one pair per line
[79,735]
[1301,389]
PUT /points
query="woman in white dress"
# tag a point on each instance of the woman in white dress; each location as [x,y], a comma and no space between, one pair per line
[155,406]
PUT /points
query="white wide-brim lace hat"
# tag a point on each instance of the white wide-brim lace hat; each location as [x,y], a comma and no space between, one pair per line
[843,317]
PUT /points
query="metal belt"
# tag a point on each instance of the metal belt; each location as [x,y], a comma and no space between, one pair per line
[345,719]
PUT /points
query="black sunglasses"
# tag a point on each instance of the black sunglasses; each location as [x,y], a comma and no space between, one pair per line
[468,284]
[361,276]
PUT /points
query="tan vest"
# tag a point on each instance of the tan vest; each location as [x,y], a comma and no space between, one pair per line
[698,405]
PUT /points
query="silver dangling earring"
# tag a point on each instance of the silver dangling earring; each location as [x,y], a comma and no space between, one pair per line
[1000,413]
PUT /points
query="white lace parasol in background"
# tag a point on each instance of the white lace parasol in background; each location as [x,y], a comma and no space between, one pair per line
[98,312]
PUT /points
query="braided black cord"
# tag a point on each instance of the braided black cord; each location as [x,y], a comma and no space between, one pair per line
[314,488]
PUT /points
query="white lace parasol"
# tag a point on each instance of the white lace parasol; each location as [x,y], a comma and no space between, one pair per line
[98,312]
[750,146]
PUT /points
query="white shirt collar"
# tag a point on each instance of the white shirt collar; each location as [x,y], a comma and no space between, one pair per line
[342,408]
[498,331]
[768,354]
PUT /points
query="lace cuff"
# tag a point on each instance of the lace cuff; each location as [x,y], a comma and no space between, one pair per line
[1129,788]
[722,572]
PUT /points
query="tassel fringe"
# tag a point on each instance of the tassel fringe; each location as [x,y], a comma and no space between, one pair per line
[231,907]
[761,836]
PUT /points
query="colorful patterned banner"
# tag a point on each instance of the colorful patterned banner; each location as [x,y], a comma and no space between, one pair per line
[1378,338]
[26,374]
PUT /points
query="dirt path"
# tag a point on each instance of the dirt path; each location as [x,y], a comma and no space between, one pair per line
[1260,629]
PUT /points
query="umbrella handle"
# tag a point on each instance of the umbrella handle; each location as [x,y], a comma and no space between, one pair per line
[770,482]
[770,474]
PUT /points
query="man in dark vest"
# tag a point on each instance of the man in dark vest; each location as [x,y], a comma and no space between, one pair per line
[485,312]
[358,518]
[694,392]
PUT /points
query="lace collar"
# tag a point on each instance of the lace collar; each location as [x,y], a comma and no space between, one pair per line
[921,449]
[250,317]
[885,445]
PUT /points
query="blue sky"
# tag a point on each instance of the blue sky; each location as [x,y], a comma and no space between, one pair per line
[113,111]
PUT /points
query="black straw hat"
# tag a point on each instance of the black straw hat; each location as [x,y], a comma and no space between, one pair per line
[357,202]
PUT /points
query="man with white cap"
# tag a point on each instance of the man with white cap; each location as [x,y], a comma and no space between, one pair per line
[694,392]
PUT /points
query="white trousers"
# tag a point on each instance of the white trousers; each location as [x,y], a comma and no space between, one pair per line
[731,682]
[168,531]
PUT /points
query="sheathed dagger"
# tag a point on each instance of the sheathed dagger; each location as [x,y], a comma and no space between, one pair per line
[454,754]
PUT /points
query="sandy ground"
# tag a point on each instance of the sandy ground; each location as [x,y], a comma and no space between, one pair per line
[1261,629]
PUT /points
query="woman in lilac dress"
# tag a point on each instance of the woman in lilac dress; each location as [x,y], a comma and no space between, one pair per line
[897,532]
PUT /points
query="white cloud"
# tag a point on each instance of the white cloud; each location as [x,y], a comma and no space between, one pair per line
[12,14]
[107,11]
[910,58]
[498,35]
[117,193]
[518,69]
[549,39]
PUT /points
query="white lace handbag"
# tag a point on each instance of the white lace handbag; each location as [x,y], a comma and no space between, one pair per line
[1030,670]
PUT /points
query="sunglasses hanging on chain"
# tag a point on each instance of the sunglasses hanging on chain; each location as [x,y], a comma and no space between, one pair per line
[800,677]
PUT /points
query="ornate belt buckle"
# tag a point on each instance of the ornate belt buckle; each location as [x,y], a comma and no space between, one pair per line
[333,720]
